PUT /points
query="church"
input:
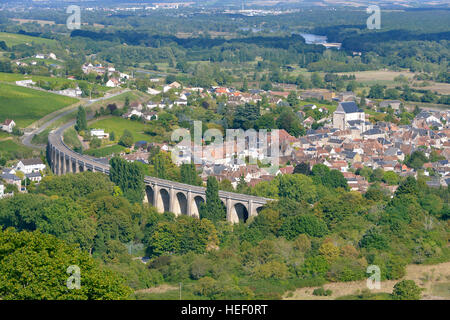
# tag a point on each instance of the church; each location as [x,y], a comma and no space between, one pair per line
[349,115]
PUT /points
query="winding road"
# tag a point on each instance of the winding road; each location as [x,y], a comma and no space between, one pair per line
[26,139]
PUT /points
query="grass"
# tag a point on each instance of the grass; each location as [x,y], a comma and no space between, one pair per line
[441,290]
[13,39]
[14,150]
[119,125]
[25,105]
[41,138]
[367,296]
[71,138]
[119,100]
[105,151]
[55,82]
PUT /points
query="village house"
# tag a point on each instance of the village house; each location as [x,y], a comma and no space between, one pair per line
[30,165]
[34,177]
[8,125]
[395,104]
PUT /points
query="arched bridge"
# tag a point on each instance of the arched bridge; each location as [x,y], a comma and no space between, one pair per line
[165,195]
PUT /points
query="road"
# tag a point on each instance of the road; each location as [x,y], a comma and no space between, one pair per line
[26,139]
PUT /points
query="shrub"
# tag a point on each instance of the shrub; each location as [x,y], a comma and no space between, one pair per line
[322,292]
[407,290]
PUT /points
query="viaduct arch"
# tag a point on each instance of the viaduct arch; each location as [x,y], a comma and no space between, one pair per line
[165,195]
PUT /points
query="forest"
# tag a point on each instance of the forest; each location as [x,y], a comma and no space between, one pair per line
[315,232]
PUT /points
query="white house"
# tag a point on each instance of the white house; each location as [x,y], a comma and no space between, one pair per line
[34,176]
[2,191]
[30,165]
[112,83]
[25,83]
[71,92]
[99,133]
[40,56]
[8,125]
[52,56]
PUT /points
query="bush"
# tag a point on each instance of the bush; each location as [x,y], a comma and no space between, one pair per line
[271,270]
[322,292]
[309,224]
[407,290]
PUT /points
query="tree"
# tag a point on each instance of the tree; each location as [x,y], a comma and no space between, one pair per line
[213,209]
[245,85]
[316,80]
[297,187]
[292,99]
[376,92]
[289,121]
[126,139]
[81,123]
[409,186]
[95,143]
[33,267]
[407,290]
[309,224]
[129,177]
[302,168]
[189,175]
[416,160]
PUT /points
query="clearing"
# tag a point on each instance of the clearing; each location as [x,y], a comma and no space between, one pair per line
[435,279]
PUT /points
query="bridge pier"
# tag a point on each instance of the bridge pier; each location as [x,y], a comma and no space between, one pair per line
[164,195]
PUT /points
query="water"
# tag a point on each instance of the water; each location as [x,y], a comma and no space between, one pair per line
[313,38]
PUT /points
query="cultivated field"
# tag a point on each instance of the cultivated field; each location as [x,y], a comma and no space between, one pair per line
[13,39]
[24,105]
[119,125]
[435,279]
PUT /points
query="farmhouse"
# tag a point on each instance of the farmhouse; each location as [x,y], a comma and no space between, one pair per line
[8,125]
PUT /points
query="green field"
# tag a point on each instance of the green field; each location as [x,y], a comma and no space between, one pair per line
[105,151]
[13,39]
[118,125]
[24,105]
[53,81]
[14,150]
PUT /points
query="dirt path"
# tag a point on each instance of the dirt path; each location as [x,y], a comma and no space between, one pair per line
[160,289]
[426,276]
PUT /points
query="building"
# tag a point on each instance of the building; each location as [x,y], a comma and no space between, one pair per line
[34,177]
[345,112]
[112,83]
[99,133]
[12,179]
[395,104]
[2,191]
[8,125]
[30,165]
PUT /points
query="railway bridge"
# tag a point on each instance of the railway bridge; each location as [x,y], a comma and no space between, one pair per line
[165,195]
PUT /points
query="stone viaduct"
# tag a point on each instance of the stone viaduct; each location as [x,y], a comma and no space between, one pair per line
[165,195]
